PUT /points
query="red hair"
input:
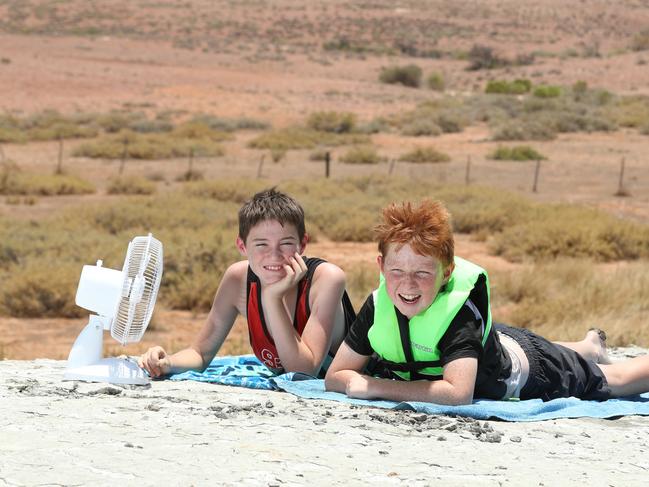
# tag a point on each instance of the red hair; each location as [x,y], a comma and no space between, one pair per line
[427,228]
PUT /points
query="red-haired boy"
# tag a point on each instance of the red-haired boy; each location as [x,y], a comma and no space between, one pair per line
[429,325]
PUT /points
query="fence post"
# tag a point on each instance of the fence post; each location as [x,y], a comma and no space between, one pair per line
[59,165]
[467,174]
[261,165]
[620,186]
[327,163]
[124,154]
[191,162]
[393,162]
[536,175]
[2,155]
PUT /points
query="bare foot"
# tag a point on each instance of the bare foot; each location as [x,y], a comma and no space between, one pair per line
[598,338]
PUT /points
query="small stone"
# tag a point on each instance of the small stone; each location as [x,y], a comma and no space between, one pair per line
[269,404]
[515,439]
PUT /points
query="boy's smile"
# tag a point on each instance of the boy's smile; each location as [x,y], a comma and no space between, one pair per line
[269,247]
[412,280]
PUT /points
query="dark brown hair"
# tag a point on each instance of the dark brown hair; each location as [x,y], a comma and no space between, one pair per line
[271,204]
[427,228]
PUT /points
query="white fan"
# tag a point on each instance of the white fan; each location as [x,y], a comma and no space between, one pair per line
[123,301]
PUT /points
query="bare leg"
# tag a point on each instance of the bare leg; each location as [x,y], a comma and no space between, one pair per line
[628,377]
[592,347]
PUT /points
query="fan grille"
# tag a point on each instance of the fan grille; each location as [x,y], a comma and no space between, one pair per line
[142,273]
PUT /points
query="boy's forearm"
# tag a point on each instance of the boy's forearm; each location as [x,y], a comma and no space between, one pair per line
[438,391]
[293,352]
[186,359]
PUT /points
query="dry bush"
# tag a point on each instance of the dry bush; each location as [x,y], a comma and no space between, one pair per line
[43,287]
[184,139]
[503,87]
[421,128]
[408,75]
[361,279]
[485,57]
[335,122]
[562,299]
[425,155]
[230,124]
[130,185]
[234,190]
[640,41]
[516,153]
[570,231]
[361,155]
[435,82]
[14,182]
[302,138]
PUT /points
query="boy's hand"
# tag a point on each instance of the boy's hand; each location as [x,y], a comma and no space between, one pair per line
[358,387]
[295,270]
[155,361]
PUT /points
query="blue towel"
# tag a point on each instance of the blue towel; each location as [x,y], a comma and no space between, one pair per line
[247,371]
[243,371]
[530,410]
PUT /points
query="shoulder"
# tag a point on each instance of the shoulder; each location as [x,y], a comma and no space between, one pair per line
[237,273]
[329,275]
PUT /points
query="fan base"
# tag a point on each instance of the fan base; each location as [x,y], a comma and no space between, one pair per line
[112,370]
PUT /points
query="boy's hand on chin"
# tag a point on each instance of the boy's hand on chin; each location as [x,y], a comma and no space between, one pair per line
[295,270]
[358,387]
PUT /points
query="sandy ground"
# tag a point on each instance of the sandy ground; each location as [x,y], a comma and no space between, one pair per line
[189,433]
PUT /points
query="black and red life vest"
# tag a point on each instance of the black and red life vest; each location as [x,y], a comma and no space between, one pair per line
[262,343]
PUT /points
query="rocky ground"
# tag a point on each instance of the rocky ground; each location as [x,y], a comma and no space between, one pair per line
[190,433]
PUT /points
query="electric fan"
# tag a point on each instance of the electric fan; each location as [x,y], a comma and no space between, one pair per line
[123,301]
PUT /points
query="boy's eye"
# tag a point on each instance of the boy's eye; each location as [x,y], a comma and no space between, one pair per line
[422,274]
[260,245]
[287,243]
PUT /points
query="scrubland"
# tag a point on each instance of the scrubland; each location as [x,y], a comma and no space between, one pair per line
[168,117]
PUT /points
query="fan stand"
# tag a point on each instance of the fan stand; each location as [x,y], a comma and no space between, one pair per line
[85,361]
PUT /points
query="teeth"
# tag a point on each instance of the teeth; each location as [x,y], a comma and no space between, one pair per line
[273,267]
[409,297]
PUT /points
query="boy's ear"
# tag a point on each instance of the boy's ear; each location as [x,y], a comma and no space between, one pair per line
[241,246]
[448,271]
[305,240]
[379,261]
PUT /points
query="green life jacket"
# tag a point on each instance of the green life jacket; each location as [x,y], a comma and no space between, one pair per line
[409,348]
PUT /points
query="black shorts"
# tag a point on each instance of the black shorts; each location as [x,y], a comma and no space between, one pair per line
[557,371]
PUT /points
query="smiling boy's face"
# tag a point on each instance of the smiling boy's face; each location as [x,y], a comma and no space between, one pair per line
[412,280]
[269,246]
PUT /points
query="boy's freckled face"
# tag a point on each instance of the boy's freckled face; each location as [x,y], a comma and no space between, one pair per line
[268,247]
[412,280]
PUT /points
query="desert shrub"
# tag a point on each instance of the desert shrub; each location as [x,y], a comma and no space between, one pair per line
[234,190]
[425,155]
[524,130]
[579,90]
[335,122]
[146,126]
[153,146]
[562,299]
[435,82]
[130,185]
[640,41]
[361,155]
[22,183]
[630,111]
[408,75]
[516,153]
[421,128]
[516,87]
[301,138]
[41,288]
[373,126]
[361,280]
[190,175]
[318,155]
[570,231]
[484,57]
[547,91]
[230,124]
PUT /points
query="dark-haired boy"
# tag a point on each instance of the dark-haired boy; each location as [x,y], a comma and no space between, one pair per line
[297,309]
[429,323]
